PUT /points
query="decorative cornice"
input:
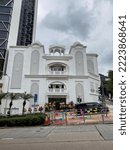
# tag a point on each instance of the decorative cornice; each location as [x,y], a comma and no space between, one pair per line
[92,54]
[20,46]
[94,94]
[93,75]
[48,57]
[57,93]
[46,76]
[61,76]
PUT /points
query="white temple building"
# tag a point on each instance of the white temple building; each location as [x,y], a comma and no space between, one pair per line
[56,76]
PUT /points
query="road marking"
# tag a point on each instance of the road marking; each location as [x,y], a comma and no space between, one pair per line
[7,138]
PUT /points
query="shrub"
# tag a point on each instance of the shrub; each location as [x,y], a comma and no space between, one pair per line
[26,120]
[30,109]
[40,109]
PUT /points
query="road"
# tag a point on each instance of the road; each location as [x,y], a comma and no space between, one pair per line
[78,137]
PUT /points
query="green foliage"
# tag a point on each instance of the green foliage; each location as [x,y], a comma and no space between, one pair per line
[25,96]
[26,120]
[12,96]
[109,83]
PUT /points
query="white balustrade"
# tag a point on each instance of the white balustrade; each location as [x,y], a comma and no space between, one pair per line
[57,90]
[57,72]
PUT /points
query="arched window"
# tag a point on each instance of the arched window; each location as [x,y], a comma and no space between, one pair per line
[34,68]
[90,66]
[79,62]
[17,71]
[80,91]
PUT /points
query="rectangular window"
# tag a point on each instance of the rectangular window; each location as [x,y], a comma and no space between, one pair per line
[4,17]
[3,34]
[6,10]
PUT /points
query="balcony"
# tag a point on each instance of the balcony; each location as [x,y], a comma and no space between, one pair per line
[57,68]
[57,72]
[57,90]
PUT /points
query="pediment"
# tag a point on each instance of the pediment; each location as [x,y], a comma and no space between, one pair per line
[78,45]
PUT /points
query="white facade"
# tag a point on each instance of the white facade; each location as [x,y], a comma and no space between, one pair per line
[53,76]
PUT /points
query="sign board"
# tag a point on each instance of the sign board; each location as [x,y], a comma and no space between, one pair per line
[35,98]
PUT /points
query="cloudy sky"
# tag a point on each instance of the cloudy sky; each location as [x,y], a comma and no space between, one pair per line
[88,21]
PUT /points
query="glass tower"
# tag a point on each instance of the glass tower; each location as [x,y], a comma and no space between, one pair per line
[6,7]
[25,33]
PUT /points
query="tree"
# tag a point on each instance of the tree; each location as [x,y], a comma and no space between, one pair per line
[13,96]
[109,83]
[2,95]
[25,97]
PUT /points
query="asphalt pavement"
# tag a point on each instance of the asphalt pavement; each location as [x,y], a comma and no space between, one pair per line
[77,137]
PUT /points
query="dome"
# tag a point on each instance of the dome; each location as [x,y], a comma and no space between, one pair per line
[36,43]
[77,43]
[57,46]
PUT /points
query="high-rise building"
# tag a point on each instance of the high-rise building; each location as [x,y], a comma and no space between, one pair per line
[6,7]
[26,26]
[17,26]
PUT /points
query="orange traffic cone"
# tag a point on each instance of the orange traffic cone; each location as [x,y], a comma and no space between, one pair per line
[47,121]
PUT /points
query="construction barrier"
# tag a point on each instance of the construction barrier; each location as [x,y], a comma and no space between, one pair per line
[72,118]
[47,120]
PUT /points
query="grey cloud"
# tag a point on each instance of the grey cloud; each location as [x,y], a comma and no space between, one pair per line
[70,21]
[74,21]
[107,57]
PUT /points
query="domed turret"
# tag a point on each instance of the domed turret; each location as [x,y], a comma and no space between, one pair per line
[77,45]
[57,49]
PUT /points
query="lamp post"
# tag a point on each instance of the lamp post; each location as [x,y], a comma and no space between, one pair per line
[7,92]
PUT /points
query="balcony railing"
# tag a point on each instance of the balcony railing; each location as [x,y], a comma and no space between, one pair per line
[57,90]
[57,72]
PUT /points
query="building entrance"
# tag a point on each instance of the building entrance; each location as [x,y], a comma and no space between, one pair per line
[57,100]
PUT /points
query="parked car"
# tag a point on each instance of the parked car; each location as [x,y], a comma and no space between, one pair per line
[91,107]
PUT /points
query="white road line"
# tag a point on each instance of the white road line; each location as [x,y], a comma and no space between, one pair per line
[7,138]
